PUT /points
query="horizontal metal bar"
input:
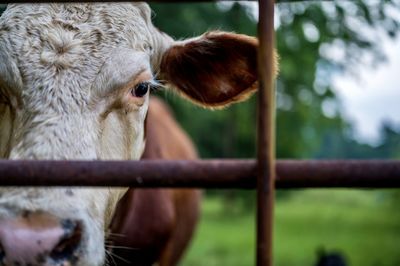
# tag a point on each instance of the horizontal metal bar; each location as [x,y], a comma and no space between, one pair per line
[200,174]
[338,173]
[146,173]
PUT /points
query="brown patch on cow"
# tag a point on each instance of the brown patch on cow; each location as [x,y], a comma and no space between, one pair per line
[215,70]
[165,137]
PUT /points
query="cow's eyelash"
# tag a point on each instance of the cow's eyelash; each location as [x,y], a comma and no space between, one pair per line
[155,85]
[144,87]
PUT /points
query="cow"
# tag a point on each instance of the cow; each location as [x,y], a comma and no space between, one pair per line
[152,225]
[74,85]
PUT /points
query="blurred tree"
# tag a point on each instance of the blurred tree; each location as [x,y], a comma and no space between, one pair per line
[390,146]
[334,145]
[314,40]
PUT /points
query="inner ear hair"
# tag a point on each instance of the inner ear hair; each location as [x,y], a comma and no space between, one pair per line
[214,70]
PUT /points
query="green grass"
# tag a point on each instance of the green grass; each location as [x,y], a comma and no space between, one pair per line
[360,224]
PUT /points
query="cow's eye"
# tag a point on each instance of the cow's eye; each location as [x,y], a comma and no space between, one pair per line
[141,89]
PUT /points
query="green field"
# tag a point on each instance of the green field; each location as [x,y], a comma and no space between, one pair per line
[363,225]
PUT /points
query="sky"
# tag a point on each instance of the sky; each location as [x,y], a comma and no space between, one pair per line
[374,96]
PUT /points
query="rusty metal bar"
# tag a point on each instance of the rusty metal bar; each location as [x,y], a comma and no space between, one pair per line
[266,134]
[203,174]
[157,173]
[338,173]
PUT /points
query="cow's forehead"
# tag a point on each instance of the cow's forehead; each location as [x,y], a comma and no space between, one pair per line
[116,22]
[56,43]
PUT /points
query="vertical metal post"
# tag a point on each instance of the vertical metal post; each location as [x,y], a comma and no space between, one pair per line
[266,134]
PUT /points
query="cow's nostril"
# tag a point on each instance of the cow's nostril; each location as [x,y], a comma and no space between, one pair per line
[2,253]
[69,243]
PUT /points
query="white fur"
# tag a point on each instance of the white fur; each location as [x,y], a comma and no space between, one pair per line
[64,70]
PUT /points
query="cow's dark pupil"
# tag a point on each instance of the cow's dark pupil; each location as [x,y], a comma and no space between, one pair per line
[141,89]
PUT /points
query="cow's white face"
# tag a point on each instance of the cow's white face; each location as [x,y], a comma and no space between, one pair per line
[74,84]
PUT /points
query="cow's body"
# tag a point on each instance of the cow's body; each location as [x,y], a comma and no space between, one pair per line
[74,85]
[156,224]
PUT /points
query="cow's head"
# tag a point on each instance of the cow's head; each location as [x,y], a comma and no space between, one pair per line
[74,84]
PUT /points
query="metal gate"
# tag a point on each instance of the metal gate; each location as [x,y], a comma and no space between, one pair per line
[263,173]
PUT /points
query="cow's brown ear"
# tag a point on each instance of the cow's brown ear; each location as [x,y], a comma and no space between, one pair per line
[213,70]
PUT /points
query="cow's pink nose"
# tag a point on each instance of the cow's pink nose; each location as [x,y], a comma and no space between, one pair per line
[39,239]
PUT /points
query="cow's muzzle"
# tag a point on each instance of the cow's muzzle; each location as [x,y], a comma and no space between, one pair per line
[37,238]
